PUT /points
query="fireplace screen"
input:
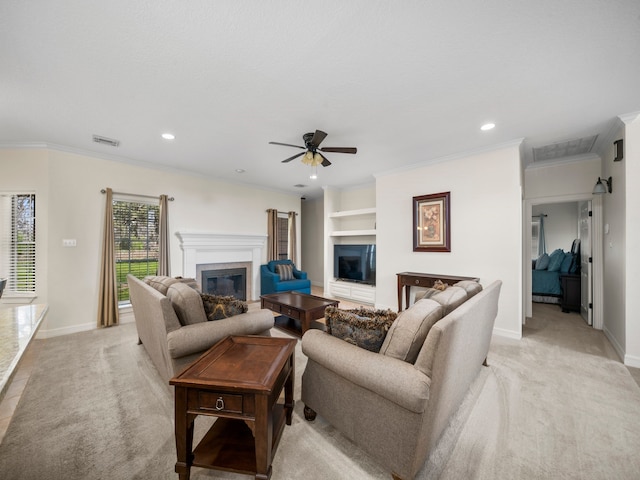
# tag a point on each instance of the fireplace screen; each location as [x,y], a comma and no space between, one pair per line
[229,281]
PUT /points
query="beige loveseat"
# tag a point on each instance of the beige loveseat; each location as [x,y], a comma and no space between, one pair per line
[173,327]
[396,403]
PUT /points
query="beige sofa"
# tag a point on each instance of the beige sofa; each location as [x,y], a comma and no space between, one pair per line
[396,403]
[173,327]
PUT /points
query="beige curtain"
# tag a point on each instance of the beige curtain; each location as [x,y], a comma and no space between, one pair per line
[293,246]
[163,237]
[272,232]
[108,301]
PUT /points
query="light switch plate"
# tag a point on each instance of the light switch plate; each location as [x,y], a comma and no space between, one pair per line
[68,242]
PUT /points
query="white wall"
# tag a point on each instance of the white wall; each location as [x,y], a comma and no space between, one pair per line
[69,205]
[631,259]
[313,240]
[486,227]
[560,224]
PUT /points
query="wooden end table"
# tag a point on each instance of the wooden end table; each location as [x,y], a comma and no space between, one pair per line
[414,279]
[298,306]
[239,380]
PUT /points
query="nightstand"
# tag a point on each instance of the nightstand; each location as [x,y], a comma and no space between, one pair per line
[571,293]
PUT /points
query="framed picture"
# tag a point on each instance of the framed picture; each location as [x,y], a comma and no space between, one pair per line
[431,223]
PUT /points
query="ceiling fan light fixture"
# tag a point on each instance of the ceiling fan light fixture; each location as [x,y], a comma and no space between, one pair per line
[307,159]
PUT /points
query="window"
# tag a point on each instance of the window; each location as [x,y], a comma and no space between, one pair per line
[136,229]
[283,237]
[18,241]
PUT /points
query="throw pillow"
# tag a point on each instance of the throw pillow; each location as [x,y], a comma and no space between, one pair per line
[360,326]
[217,307]
[285,271]
[555,260]
[543,262]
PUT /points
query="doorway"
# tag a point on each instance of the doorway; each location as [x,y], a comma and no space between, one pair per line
[588,215]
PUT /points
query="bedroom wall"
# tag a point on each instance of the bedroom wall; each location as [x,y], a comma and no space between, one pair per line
[560,224]
[70,204]
[486,227]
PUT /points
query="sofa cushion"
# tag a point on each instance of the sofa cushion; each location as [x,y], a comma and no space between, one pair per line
[285,272]
[160,283]
[470,286]
[187,303]
[217,307]
[360,326]
[450,299]
[408,332]
[426,293]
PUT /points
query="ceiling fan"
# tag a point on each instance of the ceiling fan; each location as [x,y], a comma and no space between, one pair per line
[312,155]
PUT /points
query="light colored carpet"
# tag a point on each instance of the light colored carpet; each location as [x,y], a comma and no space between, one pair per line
[557,404]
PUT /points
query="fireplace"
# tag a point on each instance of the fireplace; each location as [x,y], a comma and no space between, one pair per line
[225,281]
[213,251]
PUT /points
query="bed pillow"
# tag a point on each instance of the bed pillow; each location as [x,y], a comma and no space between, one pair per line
[543,262]
[555,260]
[566,262]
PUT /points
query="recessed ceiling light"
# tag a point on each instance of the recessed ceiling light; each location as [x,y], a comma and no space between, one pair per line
[168,136]
[487,126]
[240,170]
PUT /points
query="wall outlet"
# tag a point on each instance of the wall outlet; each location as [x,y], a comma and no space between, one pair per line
[68,242]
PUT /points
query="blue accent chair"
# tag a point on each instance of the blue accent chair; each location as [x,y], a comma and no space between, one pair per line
[270,281]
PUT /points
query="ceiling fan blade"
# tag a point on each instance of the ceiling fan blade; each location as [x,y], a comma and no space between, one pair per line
[339,149]
[325,161]
[293,158]
[318,137]
[286,145]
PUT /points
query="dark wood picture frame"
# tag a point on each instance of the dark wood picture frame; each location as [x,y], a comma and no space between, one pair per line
[432,223]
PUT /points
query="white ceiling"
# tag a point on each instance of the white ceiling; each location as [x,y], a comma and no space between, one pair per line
[406,82]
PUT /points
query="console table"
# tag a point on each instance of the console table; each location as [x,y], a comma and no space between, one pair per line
[426,280]
[239,380]
[570,301]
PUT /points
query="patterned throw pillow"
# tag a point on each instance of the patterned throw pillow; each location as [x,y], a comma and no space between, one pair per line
[217,307]
[360,326]
[285,271]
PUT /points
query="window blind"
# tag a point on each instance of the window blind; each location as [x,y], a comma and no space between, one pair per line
[18,241]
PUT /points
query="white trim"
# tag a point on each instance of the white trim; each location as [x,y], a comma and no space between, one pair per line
[202,247]
[501,332]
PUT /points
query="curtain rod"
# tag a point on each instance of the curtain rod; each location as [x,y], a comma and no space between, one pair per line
[539,215]
[287,213]
[171,199]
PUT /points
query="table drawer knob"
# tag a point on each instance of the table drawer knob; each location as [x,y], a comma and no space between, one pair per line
[219,404]
[417,282]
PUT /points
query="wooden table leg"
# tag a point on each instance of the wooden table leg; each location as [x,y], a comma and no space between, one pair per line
[184,434]
[399,295]
[264,437]
[289,403]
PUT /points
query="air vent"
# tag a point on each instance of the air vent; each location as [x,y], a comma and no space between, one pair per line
[299,185]
[106,141]
[569,148]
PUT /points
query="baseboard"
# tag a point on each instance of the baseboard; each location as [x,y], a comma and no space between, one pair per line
[632,361]
[125,317]
[501,332]
[614,343]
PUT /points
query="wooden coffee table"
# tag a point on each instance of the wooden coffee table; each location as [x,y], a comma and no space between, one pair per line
[299,309]
[239,380]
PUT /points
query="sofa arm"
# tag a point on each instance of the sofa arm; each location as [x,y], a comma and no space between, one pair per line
[397,381]
[199,337]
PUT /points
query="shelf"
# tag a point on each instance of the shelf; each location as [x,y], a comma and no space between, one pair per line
[353,213]
[352,233]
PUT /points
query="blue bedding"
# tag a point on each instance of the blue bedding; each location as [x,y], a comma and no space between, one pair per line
[545,282]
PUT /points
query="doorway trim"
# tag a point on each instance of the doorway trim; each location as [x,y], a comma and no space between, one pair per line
[596,251]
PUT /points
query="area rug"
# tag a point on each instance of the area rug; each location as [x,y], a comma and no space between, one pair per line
[556,404]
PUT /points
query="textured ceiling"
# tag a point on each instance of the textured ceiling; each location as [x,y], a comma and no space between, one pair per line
[406,82]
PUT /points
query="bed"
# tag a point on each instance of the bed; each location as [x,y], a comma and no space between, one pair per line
[546,270]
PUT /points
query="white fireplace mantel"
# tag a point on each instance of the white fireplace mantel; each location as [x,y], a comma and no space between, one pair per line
[207,248]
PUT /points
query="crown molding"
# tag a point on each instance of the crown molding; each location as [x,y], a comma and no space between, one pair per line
[629,117]
[468,153]
[563,160]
